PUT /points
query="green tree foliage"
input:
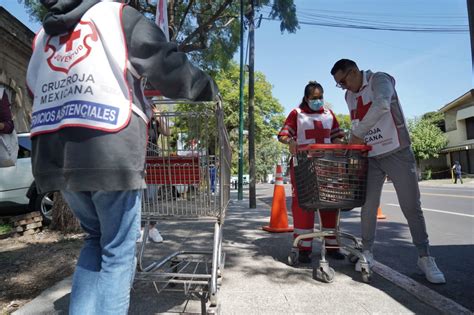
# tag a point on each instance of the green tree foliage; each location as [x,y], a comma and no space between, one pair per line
[35,9]
[436,118]
[269,117]
[427,139]
[344,121]
[208,30]
[268,111]
[268,154]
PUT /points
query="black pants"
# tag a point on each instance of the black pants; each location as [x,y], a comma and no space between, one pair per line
[457,176]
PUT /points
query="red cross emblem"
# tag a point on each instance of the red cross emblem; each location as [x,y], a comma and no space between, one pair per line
[69,39]
[318,133]
[70,49]
[361,110]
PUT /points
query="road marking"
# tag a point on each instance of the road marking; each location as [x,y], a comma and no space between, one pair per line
[443,195]
[449,188]
[421,292]
[434,210]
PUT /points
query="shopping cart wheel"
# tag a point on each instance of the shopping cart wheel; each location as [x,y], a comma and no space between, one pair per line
[326,275]
[365,275]
[293,258]
[214,309]
[352,258]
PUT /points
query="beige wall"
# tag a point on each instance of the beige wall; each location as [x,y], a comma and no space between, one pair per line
[456,129]
[450,120]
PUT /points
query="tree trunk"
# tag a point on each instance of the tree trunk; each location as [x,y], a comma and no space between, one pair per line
[63,219]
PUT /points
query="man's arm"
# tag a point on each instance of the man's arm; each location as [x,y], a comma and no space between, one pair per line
[383,90]
[165,68]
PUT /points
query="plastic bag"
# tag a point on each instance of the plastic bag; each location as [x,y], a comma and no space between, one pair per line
[8,149]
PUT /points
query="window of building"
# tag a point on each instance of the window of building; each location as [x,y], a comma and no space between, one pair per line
[470,128]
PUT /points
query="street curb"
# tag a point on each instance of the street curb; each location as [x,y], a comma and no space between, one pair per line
[41,305]
[421,292]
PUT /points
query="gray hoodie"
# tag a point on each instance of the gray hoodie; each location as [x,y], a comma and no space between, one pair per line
[80,159]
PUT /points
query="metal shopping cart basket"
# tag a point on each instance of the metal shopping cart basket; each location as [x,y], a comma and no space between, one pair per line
[188,179]
[331,177]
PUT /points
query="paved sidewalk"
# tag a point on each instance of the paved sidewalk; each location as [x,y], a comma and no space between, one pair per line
[256,278]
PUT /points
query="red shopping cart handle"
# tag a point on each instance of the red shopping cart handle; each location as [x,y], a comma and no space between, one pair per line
[312,147]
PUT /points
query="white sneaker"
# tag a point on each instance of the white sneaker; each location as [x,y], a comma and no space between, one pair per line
[140,239]
[155,235]
[370,258]
[428,265]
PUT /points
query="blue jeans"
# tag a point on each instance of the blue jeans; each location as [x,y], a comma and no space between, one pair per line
[106,265]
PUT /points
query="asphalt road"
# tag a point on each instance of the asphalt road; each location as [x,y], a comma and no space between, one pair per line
[449,215]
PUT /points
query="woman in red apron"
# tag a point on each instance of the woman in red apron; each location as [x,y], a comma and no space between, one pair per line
[310,123]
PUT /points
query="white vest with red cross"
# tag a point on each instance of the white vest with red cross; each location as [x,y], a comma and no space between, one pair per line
[314,128]
[78,79]
[383,137]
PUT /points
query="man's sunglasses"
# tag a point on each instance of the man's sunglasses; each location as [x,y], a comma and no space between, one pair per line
[342,83]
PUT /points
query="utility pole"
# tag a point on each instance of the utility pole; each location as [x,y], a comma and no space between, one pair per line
[470,13]
[240,194]
[251,119]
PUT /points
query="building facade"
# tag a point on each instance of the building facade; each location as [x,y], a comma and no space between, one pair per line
[459,122]
[15,53]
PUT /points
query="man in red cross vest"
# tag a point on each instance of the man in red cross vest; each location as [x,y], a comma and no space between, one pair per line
[310,123]
[378,120]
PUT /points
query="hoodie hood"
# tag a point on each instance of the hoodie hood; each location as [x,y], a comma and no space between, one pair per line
[63,15]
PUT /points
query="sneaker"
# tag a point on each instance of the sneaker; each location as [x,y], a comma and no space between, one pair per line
[155,235]
[140,239]
[370,258]
[336,254]
[304,256]
[428,265]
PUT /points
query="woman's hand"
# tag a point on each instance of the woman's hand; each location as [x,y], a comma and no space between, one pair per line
[293,146]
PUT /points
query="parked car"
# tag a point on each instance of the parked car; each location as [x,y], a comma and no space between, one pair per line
[18,188]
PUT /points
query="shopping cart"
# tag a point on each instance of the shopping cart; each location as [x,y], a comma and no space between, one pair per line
[331,177]
[188,178]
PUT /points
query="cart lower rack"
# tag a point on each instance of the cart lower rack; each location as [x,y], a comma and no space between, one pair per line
[188,179]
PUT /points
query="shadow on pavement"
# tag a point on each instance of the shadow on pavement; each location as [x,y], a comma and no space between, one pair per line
[394,250]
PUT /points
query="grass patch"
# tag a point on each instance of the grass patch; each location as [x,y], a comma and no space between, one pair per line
[5,228]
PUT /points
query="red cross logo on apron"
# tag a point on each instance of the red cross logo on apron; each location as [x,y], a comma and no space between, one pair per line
[70,49]
[361,110]
[69,39]
[318,133]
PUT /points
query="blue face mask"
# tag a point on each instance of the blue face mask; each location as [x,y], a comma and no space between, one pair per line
[316,104]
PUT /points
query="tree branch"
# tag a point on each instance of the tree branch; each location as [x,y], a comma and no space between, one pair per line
[206,26]
[191,2]
[193,46]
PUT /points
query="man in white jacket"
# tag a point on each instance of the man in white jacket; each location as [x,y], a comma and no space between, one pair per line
[378,120]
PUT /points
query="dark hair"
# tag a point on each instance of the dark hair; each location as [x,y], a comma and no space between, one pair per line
[343,65]
[310,87]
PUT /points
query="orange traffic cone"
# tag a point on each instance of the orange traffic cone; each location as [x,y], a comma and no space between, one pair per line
[279,216]
[380,215]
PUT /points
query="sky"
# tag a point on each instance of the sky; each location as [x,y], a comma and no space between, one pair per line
[430,69]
